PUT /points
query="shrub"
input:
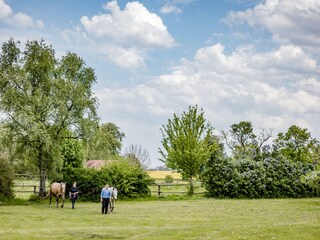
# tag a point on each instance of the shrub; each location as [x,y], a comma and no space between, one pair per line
[168,179]
[270,178]
[312,179]
[130,180]
[6,180]
[220,178]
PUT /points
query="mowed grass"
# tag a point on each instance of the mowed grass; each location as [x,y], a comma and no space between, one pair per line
[162,219]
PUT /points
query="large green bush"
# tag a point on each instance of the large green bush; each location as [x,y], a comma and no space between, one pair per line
[220,178]
[130,180]
[6,180]
[283,178]
[270,178]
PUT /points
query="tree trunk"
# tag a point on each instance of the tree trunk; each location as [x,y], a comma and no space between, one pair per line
[42,172]
[42,185]
[191,187]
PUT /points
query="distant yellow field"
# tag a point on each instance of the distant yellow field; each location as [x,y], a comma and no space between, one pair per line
[163,174]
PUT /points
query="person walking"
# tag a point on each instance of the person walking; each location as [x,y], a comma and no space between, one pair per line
[114,195]
[105,198]
[73,194]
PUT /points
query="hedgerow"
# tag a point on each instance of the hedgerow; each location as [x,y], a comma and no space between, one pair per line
[270,178]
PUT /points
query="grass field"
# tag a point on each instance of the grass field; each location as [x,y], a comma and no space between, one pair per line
[195,218]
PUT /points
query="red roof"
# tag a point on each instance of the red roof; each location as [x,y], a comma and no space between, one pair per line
[97,164]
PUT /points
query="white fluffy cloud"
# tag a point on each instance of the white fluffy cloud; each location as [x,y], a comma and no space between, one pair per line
[289,21]
[5,10]
[134,25]
[168,8]
[130,58]
[19,20]
[125,36]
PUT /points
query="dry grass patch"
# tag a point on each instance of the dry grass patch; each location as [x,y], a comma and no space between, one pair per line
[163,174]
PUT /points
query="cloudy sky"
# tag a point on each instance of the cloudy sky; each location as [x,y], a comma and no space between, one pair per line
[239,60]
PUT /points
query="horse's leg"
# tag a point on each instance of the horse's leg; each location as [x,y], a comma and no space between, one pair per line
[113,202]
[57,199]
[62,201]
[50,200]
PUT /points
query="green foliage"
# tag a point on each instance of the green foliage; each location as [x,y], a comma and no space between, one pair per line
[6,179]
[220,178]
[187,143]
[45,100]
[130,180]
[312,179]
[270,178]
[168,179]
[244,143]
[106,142]
[72,153]
[283,178]
[34,198]
[297,145]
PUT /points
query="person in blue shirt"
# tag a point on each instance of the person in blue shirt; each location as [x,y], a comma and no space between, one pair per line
[105,199]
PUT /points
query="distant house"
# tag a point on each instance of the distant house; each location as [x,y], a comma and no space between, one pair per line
[97,164]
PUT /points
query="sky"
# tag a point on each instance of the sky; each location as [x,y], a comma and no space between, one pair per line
[238,60]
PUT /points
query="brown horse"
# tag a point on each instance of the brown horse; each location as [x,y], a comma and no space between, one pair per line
[57,190]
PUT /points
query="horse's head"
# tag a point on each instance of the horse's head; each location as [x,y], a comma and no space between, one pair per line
[63,187]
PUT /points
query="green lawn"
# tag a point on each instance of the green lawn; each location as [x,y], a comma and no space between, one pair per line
[163,219]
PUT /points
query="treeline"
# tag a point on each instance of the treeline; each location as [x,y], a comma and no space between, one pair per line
[257,169]
[239,163]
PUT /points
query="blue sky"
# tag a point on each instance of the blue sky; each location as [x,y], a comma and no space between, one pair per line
[239,60]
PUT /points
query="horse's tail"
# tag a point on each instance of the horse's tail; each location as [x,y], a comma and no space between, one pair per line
[47,195]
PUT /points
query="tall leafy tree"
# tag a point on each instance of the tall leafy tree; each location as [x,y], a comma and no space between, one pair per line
[72,153]
[45,100]
[244,143]
[297,145]
[187,143]
[106,143]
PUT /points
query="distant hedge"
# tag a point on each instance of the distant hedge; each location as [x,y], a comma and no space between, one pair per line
[271,178]
[130,180]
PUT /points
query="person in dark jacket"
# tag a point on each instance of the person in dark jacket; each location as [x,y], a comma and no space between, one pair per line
[73,194]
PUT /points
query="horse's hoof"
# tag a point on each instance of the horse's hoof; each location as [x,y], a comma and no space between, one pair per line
[62,206]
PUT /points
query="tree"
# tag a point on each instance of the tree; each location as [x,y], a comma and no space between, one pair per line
[137,154]
[106,142]
[187,144]
[6,179]
[244,143]
[72,153]
[297,145]
[45,100]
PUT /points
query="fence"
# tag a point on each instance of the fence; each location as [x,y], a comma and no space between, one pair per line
[173,189]
[26,176]
[26,188]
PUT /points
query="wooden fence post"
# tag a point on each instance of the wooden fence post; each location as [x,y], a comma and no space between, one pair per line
[34,189]
[159,190]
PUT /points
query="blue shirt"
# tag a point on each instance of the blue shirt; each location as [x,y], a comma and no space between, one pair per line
[105,193]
